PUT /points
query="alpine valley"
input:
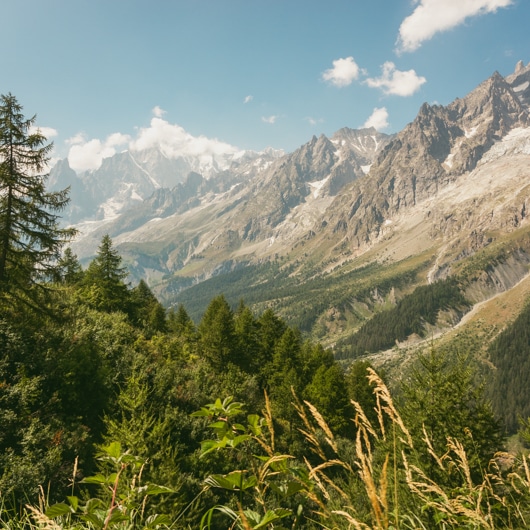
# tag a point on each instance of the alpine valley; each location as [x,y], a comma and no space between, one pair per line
[341,232]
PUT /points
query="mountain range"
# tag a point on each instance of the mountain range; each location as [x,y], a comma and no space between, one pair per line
[336,231]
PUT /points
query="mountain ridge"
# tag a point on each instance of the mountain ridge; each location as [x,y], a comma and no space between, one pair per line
[452,183]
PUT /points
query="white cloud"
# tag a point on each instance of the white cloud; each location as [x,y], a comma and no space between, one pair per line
[395,82]
[85,155]
[48,132]
[269,119]
[248,99]
[434,16]
[158,112]
[378,119]
[79,138]
[174,141]
[343,73]
[313,121]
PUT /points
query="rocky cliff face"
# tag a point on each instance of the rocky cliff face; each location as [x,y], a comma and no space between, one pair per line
[442,145]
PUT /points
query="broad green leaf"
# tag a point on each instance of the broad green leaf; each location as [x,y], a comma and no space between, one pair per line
[97,479]
[233,481]
[238,439]
[271,516]
[153,489]
[92,505]
[254,424]
[113,449]
[158,519]
[200,413]
[117,517]
[74,502]
[56,510]
[288,489]
[98,522]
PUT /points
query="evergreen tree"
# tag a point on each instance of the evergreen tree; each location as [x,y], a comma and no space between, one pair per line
[104,285]
[69,270]
[247,329]
[217,337]
[148,312]
[440,396]
[179,322]
[30,236]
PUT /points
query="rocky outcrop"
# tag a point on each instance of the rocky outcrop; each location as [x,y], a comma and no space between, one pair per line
[439,146]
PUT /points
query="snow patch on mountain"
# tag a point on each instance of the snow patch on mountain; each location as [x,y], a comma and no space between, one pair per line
[317,186]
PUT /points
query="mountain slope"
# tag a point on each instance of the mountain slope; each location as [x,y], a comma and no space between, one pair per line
[344,226]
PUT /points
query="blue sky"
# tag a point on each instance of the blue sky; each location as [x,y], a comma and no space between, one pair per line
[215,75]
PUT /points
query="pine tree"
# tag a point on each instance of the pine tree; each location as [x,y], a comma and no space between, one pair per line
[104,285]
[148,312]
[441,398]
[69,271]
[179,322]
[30,236]
[217,336]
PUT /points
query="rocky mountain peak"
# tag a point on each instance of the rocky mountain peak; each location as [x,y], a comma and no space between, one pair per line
[439,146]
[520,83]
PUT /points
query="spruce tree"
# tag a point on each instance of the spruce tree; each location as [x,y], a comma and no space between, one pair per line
[104,280]
[30,236]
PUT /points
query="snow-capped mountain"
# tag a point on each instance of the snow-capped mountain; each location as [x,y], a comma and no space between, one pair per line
[126,179]
[452,182]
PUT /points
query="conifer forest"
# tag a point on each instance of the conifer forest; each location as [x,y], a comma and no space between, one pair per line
[119,413]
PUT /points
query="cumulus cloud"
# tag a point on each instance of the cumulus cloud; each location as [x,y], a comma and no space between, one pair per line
[248,99]
[395,82]
[174,141]
[343,73]
[158,112]
[378,119]
[435,16]
[269,119]
[85,155]
[48,132]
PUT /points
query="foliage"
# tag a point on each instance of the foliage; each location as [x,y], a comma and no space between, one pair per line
[409,316]
[510,354]
[378,486]
[104,287]
[439,387]
[123,498]
[30,236]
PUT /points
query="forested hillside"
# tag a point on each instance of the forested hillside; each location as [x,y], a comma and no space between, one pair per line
[115,413]
[510,354]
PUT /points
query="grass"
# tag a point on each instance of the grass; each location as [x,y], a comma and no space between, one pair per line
[381,485]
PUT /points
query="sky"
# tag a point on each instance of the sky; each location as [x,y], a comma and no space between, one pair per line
[218,76]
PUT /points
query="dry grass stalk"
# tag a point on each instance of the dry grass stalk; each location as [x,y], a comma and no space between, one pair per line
[323,425]
[377,496]
[361,419]
[354,522]
[264,471]
[267,413]
[316,478]
[383,394]
[309,432]
[317,473]
[474,504]
[43,522]
[431,450]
